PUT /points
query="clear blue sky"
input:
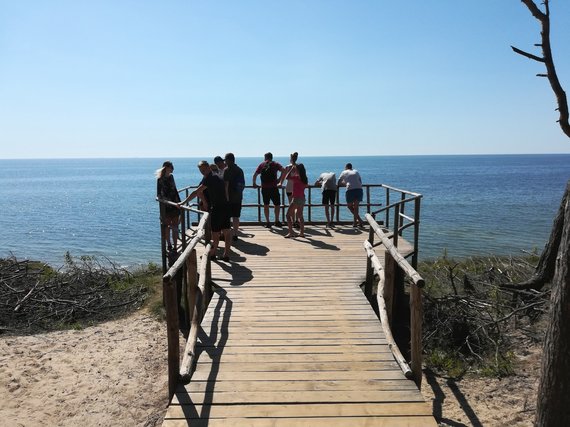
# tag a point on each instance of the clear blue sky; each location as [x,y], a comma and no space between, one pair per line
[189,78]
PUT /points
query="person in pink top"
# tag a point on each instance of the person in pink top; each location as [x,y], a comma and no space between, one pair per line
[298,175]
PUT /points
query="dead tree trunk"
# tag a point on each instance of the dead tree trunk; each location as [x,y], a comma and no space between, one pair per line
[553,403]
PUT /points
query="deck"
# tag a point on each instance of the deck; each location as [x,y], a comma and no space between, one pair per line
[290,339]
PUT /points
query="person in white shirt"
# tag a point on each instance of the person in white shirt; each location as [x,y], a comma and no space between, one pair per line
[327,181]
[350,178]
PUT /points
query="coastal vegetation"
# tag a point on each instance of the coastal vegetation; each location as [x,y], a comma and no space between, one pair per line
[86,290]
[474,319]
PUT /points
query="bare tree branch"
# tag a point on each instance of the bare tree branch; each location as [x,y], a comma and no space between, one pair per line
[526,54]
[544,19]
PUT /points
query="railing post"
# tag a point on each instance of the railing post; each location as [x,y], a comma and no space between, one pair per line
[258,205]
[171,306]
[368,199]
[309,206]
[396,232]
[416,319]
[191,284]
[389,282]
[369,269]
[337,207]
[387,209]
[417,202]
[183,229]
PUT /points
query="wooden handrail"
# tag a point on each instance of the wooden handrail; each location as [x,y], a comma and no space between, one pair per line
[394,262]
[198,314]
[383,313]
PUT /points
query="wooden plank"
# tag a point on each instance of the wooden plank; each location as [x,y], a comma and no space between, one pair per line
[394,374]
[306,385]
[412,421]
[284,410]
[295,397]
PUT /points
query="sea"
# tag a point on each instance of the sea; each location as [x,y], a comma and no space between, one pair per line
[472,204]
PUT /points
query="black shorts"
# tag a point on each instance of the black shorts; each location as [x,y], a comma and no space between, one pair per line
[235,209]
[329,197]
[219,218]
[271,194]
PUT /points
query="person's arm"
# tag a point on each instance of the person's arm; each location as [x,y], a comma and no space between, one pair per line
[254,179]
[319,181]
[193,194]
[285,175]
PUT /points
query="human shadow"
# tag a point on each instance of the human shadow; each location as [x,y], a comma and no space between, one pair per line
[440,397]
[319,244]
[239,274]
[351,231]
[250,248]
[210,345]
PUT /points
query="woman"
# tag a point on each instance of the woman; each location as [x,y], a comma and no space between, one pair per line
[289,188]
[298,175]
[166,190]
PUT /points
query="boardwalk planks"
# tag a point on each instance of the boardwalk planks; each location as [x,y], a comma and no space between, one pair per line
[290,340]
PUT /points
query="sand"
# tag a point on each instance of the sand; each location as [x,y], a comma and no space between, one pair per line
[115,374]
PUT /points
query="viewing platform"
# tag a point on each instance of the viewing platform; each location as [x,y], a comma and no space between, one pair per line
[289,336]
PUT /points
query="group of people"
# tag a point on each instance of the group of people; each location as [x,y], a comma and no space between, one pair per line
[221,193]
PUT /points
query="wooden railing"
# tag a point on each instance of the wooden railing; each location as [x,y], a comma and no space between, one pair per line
[391,278]
[252,213]
[186,288]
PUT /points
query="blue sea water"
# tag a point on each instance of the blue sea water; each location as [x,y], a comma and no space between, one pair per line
[472,205]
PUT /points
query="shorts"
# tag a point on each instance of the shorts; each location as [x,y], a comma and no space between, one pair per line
[354,195]
[235,209]
[271,193]
[329,197]
[298,201]
[219,218]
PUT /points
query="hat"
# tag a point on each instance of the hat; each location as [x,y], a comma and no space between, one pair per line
[218,159]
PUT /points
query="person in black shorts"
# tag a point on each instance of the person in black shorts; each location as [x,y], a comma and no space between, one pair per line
[327,181]
[269,186]
[213,191]
[235,183]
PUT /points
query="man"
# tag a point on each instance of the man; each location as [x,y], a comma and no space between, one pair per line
[218,167]
[269,186]
[350,178]
[212,190]
[235,183]
[327,181]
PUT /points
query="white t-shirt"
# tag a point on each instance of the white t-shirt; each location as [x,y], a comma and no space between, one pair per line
[328,181]
[351,178]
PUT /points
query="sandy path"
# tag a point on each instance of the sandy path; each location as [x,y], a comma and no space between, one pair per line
[113,374]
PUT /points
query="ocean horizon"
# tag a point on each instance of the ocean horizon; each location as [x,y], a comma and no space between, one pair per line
[105,207]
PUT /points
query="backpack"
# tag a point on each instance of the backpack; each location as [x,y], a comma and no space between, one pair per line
[268,173]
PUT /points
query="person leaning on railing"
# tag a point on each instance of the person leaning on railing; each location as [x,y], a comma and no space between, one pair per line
[350,178]
[166,190]
[327,181]
[217,204]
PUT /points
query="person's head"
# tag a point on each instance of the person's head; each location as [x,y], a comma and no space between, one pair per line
[204,167]
[348,166]
[302,173]
[230,158]
[268,157]
[219,162]
[293,157]
[166,169]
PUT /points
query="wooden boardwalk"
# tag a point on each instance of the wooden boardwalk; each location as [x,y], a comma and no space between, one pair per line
[289,339]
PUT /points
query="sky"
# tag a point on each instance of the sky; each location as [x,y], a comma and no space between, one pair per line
[188,78]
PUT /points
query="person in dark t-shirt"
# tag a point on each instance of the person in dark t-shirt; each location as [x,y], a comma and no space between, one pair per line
[166,191]
[235,183]
[215,202]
